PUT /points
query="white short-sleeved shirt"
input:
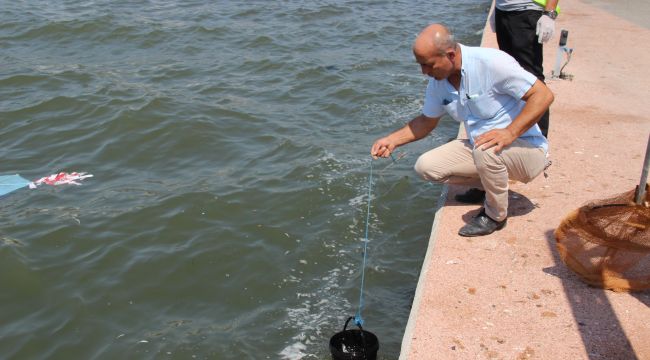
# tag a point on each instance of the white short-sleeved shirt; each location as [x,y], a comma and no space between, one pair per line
[489,97]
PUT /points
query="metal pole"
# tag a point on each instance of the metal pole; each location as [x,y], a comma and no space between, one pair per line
[640,193]
[560,53]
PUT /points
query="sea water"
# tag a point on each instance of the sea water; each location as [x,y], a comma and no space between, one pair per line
[229,143]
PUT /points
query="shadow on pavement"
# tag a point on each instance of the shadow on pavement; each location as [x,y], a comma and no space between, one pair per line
[599,326]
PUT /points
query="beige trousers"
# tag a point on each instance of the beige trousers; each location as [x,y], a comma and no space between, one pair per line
[457,162]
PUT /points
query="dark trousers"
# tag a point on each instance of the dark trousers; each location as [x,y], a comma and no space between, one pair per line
[516,36]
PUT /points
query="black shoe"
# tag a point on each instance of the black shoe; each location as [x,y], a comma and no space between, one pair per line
[471,196]
[480,225]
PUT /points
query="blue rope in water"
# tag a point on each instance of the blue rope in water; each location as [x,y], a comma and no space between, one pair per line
[357,318]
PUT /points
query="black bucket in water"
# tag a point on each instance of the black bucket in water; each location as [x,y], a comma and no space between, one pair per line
[354,344]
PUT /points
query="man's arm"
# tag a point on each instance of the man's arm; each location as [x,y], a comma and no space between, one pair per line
[416,129]
[551,4]
[538,99]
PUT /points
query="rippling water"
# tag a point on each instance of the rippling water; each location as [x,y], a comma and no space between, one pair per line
[229,143]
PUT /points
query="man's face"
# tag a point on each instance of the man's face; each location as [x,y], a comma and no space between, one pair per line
[438,66]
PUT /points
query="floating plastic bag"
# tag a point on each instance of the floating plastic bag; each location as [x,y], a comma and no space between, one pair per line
[60,179]
[9,183]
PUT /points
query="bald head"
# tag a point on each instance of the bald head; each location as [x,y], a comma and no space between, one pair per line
[437,53]
[435,39]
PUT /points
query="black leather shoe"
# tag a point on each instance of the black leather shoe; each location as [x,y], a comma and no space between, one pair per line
[471,196]
[481,224]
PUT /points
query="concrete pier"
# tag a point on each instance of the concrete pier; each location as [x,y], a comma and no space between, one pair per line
[508,295]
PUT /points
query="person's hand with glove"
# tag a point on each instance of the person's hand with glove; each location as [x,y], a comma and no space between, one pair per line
[545,28]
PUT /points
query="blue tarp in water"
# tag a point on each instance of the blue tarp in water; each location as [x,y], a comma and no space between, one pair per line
[9,183]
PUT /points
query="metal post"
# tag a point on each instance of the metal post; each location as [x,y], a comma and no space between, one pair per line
[640,193]
[560,53]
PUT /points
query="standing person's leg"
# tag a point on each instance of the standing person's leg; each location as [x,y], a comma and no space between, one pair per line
[502,29]
[516,35]
[543,123]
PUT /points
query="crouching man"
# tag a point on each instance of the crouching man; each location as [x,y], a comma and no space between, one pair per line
[499,103]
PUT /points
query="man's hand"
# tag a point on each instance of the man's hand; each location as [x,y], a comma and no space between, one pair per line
[382,148]
[499,138]
[416,129]
[545,29]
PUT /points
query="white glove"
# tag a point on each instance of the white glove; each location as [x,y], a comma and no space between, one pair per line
[545,29]
[492,21]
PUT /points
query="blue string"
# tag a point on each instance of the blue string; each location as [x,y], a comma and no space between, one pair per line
[357,318]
